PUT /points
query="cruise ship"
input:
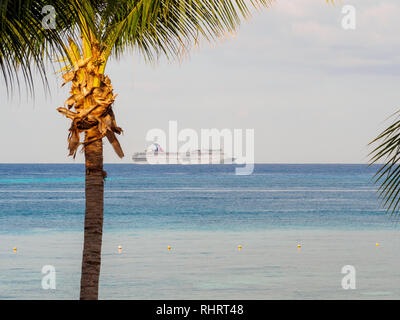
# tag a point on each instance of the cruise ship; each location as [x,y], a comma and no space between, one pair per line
[155,154]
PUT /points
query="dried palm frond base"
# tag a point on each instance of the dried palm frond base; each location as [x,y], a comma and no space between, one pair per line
[91,98]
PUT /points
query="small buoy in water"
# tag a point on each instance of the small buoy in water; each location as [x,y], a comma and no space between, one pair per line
[377,244]
[169,248]
[15,249]
[119,249]
[239,247]
[299,246]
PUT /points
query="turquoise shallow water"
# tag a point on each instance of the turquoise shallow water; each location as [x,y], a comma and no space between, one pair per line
[203,213]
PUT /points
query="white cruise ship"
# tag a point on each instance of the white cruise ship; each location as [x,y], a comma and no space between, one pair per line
[154,154]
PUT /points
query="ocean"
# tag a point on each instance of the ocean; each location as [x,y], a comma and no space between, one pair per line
[203,212]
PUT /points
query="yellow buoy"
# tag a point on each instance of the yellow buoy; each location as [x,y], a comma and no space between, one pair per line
[239,247]
[15,249]
[169,248]
[377,244]
[299,246]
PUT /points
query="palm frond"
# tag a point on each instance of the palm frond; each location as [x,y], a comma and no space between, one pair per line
[25,45]
[388,151]
[169,27]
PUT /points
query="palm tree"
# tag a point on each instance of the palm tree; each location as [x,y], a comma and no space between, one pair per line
[88,33]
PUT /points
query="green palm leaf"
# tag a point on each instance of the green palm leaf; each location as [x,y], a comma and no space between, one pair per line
[151,27]
[388,152]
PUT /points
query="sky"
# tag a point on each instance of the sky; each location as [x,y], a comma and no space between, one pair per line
[313,91]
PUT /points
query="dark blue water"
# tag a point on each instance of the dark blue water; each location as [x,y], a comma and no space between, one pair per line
[203,212]
[47,198]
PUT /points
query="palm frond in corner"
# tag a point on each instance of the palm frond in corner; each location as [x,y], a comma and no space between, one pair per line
[387,152]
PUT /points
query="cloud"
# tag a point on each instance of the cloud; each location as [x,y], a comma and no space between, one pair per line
[290,8]
[382,14]
[314,31]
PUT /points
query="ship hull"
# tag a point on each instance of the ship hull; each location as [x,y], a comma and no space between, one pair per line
[156,155]
[185,160]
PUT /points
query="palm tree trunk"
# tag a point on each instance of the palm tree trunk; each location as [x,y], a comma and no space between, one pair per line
[94,189]
[92,98]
